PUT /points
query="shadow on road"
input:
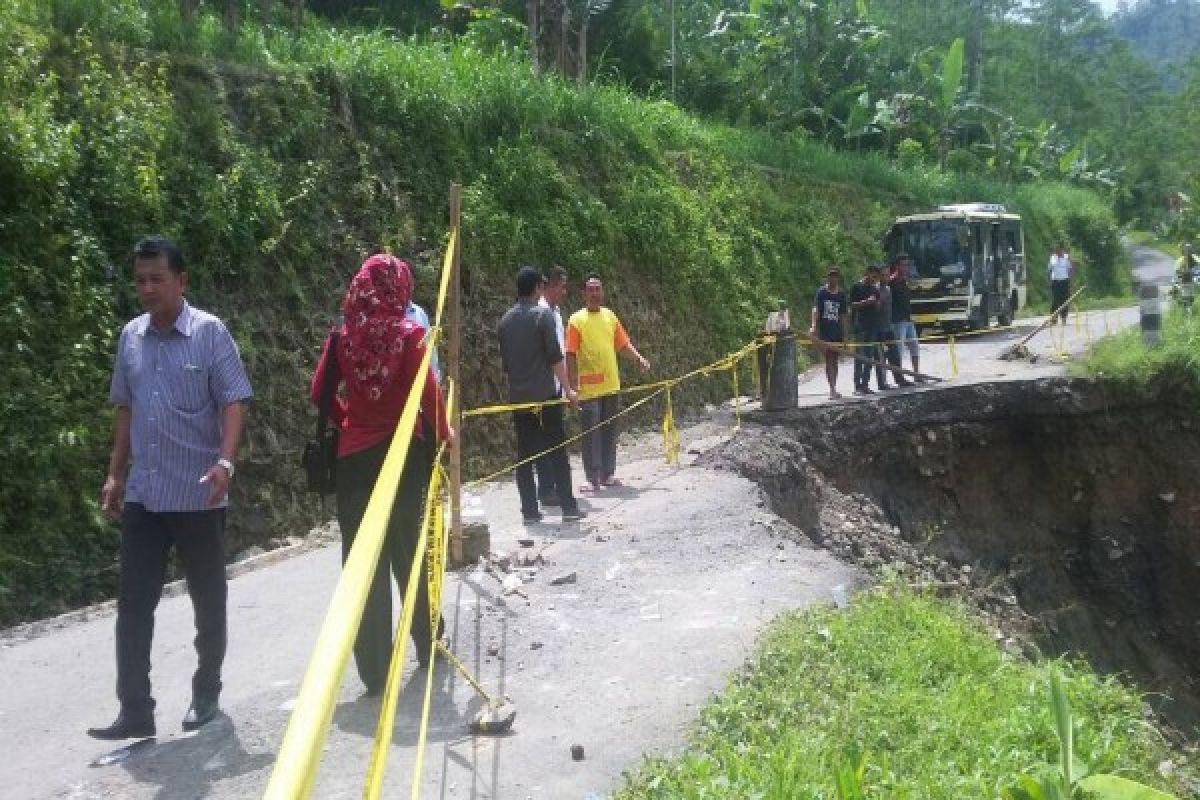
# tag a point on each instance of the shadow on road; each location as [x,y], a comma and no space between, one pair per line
[445,720]
[186,768]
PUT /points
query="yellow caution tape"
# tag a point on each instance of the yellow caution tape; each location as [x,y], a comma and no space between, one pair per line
[391,692]
[299,756]
[670,434]
[737,396]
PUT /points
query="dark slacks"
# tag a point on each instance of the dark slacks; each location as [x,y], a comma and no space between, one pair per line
[356,474]
[890,349]
[546,490]
[866,343]
[600,446]
[146,541]
[536,433]
[545,470]
[1059,292]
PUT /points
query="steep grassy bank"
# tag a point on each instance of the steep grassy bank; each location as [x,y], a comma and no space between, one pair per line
[1125,357]
[278,161]
[901,696]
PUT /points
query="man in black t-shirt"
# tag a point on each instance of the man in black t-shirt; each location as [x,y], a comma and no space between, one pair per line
[865,301]
[827,329]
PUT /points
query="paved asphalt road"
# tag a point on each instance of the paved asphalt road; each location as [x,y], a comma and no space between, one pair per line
[675,575]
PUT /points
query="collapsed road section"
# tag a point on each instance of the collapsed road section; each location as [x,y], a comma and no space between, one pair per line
[1066,509]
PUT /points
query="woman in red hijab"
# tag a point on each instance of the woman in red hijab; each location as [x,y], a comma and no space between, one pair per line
[377,356]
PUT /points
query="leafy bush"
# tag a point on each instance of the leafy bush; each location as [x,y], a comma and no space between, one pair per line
[910,153]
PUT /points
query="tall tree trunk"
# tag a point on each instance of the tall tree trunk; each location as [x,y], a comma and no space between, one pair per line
[231,16]
[564,25]
[975,77]
[187,9]
[297,14]
[534,23]
[581,51]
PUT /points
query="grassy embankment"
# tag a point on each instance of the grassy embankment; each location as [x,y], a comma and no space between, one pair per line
[1126,358]
[914,696]
[278,160]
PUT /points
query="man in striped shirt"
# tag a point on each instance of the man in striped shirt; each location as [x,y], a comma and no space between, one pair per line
[180,392]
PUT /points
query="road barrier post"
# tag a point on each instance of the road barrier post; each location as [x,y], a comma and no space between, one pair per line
[777,364]
[1150,306]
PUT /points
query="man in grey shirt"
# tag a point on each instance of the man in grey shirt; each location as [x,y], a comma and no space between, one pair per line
[180,392]
[533,358]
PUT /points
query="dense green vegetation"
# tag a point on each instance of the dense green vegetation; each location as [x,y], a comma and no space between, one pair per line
[1164,32]
[1038,89]
[899,696]
[279,158]
[1126,358]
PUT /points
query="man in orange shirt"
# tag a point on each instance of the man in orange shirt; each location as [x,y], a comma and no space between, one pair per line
[594,337]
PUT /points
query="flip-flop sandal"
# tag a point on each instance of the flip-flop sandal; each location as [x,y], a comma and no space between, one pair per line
[614,482]
[586,488]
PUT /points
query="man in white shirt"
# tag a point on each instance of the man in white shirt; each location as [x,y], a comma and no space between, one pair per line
[1060,282]
[554,293]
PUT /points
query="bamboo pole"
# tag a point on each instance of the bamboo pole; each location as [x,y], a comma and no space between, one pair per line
[454,354]
[1050,319]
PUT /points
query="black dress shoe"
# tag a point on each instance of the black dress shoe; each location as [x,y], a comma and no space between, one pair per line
[200,713]
[126,726]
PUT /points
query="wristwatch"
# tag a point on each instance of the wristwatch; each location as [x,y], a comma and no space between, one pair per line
[227,464]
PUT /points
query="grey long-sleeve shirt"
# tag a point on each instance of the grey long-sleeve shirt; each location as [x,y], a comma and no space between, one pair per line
[529,349]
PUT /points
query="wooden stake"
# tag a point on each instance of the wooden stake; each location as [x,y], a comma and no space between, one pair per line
[454,353]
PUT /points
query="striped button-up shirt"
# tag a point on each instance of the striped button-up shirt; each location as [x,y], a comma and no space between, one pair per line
[176,385]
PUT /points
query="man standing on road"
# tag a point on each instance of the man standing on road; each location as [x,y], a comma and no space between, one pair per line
[180,390]
[532,359]
[865,301]
[828,325]
[887,345]
[594,337]
[554,292]
[904,332]
[1185,272]
[1060,281]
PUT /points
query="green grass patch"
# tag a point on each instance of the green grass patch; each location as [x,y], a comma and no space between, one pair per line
[1126,358]
[914,688]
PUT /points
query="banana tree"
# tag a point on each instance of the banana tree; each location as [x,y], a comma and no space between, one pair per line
[1070,780]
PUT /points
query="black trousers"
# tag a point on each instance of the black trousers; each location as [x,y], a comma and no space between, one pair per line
[891,353]
[545,471]
[356,474]
[146,541]
[537,432]
[1059,292]
[546,485]
[600,446]
[866,342]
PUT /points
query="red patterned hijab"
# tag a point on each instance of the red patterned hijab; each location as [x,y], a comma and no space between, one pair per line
[374,310]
